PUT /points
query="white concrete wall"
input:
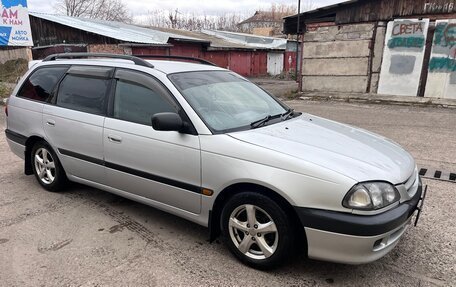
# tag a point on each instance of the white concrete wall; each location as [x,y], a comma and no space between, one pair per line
[403,56]
[337,58]
[377,58]
[13,53]
[275,63]
[441,82]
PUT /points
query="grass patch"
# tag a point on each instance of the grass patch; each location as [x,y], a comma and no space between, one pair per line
[5,91]
[292,95]
[289,76]
[12,70]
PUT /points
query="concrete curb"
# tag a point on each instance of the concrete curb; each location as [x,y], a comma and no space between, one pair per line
[381,99]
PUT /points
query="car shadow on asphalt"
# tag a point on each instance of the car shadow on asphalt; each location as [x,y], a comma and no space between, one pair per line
[152,218]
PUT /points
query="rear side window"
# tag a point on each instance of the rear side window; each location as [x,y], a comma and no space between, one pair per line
[40,85]
[83,93]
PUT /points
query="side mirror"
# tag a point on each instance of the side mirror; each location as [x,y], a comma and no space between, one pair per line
[167,122]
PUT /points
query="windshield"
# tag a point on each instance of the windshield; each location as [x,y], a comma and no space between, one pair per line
[226,101]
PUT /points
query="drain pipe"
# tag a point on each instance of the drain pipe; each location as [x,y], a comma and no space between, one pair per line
[297,40]
[301,64]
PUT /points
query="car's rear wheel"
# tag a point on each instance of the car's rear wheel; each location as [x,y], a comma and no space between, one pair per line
[46,167]
[257,230]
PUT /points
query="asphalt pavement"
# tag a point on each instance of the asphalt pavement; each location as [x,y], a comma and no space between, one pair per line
[87,237]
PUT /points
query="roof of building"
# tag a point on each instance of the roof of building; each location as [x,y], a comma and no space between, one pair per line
[115,30]
[215,42]
[325,8]
[263,16]
[160,36]
[362,11]
[259,42]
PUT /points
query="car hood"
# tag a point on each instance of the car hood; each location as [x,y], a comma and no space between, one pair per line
[353,152]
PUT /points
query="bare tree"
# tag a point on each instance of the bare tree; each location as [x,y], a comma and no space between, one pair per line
[308,5]
[193,22]
[222,21]
[111,10]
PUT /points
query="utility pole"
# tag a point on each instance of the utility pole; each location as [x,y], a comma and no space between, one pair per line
[297,40]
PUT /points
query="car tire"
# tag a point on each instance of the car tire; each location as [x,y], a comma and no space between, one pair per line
[47,168]
[269,242]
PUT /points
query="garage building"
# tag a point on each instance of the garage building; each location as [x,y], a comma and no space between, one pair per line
[248,55]
[399,47]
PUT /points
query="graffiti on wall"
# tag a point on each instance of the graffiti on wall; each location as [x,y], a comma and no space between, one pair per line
[442,64]
[403,57]
[407,34]
[433,7]
[441,81]
[444,48]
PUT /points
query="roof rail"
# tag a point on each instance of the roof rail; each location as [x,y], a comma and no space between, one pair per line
[136,60]
[202,61]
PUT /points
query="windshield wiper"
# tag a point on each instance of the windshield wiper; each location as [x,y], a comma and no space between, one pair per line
[259,123]
[287,115]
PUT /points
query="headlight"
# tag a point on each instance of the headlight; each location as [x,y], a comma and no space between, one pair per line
[371,196]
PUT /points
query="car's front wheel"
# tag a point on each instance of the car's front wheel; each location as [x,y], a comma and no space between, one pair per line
[46,167]
[257,230]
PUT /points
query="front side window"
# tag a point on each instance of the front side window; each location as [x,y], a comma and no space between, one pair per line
[83,93]
[225,101]
[138,97]
[40,85]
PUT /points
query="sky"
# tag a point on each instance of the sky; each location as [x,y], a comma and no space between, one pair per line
[139,8]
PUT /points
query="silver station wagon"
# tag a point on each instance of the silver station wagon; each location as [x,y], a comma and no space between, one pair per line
[205,144]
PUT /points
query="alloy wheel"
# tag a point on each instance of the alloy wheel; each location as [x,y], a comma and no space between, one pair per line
[44,166]
[253,231]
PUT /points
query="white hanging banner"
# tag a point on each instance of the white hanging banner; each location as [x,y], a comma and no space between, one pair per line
[403,57]
[15,23]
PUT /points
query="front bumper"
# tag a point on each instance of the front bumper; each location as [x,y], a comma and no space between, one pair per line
[356,239]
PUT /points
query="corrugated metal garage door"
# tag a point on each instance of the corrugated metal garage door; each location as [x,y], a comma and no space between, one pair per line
[239,62]
[275,63]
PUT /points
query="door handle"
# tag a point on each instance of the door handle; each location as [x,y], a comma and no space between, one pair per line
[115,139]
[50,123]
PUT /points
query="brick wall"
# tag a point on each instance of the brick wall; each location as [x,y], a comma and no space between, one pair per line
[108,48]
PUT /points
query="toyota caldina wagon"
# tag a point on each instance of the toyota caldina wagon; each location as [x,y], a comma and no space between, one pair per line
[205,144]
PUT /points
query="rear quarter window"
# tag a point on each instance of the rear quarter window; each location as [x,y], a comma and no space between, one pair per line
[40,85]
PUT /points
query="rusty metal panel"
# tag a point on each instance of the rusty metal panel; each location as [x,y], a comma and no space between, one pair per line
[162,51]
[289,61]
[42,52]
[259,64]
[239,62]
[186,49]
[220,58]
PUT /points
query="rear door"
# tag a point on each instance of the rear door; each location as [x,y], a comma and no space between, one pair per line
[162,166]
[74,123]
[25,110]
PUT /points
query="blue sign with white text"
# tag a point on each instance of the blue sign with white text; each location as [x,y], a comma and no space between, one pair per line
[15,23]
